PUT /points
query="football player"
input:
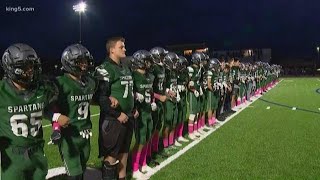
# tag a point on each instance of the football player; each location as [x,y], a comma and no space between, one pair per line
[203,94]
[193,93]
[158,54]
[143,82]
[213,90]
[76,89]
[171,108]
[116,122]
[183,79]
[235,82]
[25,98]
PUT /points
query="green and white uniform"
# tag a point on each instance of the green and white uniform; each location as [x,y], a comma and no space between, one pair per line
[114,80]
[212,96]
[235,80]
[171,108]
[74,102]
[216,91]
[144,125]
[158,87]
[203,84]
[183,78]
[21,134]
[194,75]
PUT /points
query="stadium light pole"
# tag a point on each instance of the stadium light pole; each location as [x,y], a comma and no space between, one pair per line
[318,48]
[81,7]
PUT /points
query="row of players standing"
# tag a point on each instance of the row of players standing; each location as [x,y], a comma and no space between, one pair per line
[150,98]
[156,99]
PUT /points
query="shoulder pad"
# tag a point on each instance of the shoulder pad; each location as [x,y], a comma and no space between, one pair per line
[101,73]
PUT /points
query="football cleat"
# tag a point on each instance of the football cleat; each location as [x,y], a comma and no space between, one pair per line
[192,136]
[139,175]
[147,169]
[177,144]
[182,139]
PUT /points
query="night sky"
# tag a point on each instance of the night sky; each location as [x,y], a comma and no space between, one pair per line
[290,28]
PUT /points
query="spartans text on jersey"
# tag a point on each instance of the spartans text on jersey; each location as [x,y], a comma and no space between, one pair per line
[85,97]
[26,108]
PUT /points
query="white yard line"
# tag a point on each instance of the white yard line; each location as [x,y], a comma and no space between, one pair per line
[61,170]
[48,125]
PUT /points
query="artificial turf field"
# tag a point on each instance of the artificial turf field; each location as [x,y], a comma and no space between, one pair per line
[267,140]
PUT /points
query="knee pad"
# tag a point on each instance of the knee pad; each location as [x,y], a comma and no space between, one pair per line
[110,171]
[192,117]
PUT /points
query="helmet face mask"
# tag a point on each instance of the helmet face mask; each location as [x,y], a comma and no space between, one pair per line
[25,71]
[21,64]
[198,58]
[77,60]
[82,66]
[170,61]
[214,64]
[182,63]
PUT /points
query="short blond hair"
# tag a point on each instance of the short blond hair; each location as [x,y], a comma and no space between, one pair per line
[111,42]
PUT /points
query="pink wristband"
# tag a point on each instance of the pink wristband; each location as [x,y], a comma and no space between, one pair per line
[157,96]
[56,126]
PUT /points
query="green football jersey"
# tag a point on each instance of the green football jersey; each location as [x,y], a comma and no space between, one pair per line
[260,72]
[220,77]
[171,81]
[195,75]
[143,84]
[210,76]
[121,83]
[74,100]
[204,79]
[249,75]
[215,78]
[22,112]
[234,73]
[183,77]
[255,73]
[224,77]
[159,78]
[242,76]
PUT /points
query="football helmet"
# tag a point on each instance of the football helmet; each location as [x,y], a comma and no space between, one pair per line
[142,59]
[204,61]
[170,61]
[197,58]
[21,64]
[182,63]
[77,60]
[214,64]
[158,53]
